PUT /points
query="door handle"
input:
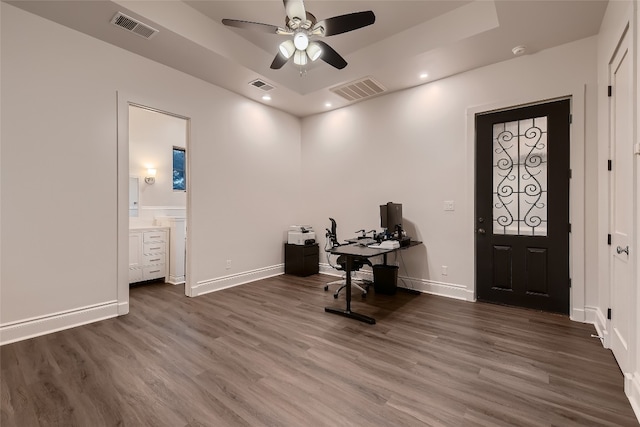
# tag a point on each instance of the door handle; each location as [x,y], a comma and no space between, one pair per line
[481,231]
[619,250]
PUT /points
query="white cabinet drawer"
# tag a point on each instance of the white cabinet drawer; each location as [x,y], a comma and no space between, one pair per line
[153,259]
[147,254]
[155,236]
[153,248]
[153,272]
[135,275]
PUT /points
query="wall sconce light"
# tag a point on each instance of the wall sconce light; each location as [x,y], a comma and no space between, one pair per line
[151,176]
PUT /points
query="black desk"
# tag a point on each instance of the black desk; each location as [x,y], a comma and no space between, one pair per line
[352,252]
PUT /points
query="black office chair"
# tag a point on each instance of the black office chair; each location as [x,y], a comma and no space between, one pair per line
[341,264]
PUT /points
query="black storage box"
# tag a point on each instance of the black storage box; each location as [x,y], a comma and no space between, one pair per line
[385,279]
[301,260]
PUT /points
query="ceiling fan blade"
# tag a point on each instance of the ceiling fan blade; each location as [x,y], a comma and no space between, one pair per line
[279,61]
[331,57]
[295,9]
[246,25]
[344,23]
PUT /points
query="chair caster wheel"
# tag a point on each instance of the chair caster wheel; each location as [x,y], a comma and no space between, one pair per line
[335,296]
[326,288]
[364,295]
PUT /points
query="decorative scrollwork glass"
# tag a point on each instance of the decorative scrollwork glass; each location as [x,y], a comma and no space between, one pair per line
[520,177]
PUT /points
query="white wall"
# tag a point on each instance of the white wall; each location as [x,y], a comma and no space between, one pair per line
[152,136]
[64,175]
[416,147]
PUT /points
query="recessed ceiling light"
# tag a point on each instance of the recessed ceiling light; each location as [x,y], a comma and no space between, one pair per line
[424,75]
[327,104]
[519,50]
[266,98]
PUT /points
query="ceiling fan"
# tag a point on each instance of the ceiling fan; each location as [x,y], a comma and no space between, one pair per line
[305,29]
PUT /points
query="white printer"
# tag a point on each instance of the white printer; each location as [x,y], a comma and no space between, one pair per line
[301,235]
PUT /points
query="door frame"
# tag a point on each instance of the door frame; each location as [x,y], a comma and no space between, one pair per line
[123,101]
[577,309]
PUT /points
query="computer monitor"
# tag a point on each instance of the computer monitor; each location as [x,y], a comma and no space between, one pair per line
[391,216]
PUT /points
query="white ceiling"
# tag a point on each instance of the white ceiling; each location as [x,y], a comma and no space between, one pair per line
[441,38]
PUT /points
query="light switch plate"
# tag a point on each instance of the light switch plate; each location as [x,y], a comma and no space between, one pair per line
[449,205]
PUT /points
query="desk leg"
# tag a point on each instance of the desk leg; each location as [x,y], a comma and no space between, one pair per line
[348,313]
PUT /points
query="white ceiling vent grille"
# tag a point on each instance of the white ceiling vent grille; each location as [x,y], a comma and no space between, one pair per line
[262,85]
[360,89]
[133,25]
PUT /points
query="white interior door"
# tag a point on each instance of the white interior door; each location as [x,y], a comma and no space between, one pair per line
[622,202]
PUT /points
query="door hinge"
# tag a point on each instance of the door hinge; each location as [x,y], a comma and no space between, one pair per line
[609,90]
[569,227]
[570,118]
[609,165]
[609,239]
[570,174]
[569,281]
[609,313]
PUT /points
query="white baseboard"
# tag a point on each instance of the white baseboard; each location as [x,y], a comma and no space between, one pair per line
[211,285]
[29,328]
[328,270]
[123,308]
[634,394]
[450,290]
[595,316]
[578,315]
[176,280]
[590,314]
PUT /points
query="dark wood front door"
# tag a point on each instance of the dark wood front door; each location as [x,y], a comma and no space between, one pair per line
[522,206]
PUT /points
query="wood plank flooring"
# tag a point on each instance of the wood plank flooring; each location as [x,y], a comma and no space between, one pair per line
[266,354]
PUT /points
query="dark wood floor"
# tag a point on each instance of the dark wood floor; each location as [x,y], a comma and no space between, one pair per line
[266,354]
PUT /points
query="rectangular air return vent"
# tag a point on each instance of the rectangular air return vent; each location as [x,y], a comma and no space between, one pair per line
[133,25]
[360,89]
[262,85]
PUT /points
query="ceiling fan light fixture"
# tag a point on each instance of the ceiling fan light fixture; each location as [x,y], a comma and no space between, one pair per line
[300,57]
[303,28]
[314,51]
[287,48]
[301,40]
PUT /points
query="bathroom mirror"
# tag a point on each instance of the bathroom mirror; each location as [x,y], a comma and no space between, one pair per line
[134,195]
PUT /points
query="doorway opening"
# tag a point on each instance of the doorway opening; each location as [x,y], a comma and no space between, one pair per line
[158,187]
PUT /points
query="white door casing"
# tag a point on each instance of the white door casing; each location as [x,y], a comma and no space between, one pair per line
[621,145]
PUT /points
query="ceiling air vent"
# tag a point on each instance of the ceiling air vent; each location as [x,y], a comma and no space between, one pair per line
[133,25]
[360,89]
[262,85]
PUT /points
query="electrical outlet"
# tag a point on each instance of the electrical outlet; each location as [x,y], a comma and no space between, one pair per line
[449,205]
[444,270]
[228,264]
